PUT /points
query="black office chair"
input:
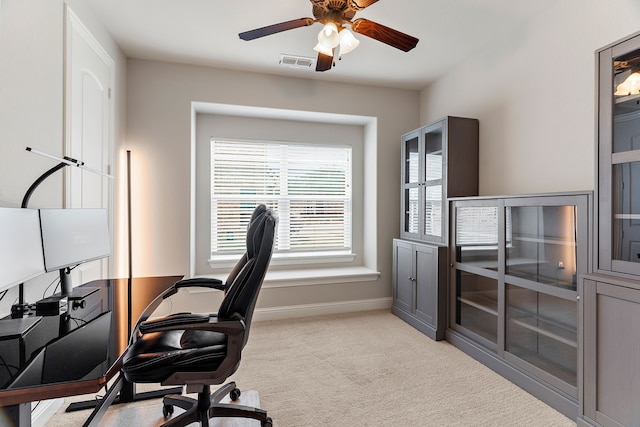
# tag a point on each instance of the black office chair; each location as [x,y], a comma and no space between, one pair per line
[198,350]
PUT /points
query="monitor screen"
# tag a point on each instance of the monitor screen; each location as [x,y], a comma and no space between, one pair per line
[73,236]
[20,246]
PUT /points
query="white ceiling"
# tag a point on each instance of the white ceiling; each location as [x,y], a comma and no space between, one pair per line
[205,32]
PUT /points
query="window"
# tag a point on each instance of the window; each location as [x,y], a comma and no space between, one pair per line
[309,186]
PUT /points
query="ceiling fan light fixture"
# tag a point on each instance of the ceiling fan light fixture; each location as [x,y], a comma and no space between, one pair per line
[328,36]
[320,48]
[630,86]
[347,41]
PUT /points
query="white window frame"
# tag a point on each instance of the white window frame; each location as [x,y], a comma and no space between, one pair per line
[281,256]
[247,122]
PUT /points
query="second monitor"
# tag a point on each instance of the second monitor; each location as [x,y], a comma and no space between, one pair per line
[71,237]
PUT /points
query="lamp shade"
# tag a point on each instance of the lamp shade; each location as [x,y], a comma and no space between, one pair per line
[630,86]
[347,41]
[328,36]
[323,49]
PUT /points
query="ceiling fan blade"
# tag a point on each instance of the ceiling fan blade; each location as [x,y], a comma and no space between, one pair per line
[361,4]
[276,28]
[324,62]
[384,34]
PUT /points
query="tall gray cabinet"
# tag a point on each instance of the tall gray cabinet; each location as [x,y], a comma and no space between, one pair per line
[611,295]
[439,160]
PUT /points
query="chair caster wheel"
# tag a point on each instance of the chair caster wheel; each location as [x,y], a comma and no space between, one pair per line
[267,423]
[167,410]
[235,394]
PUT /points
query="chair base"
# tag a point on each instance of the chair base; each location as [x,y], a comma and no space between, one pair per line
[208,406]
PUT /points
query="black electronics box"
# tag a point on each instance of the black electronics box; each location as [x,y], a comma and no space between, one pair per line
[52,306]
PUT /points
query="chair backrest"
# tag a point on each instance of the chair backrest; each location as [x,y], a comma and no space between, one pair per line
[243,289]
[260,209]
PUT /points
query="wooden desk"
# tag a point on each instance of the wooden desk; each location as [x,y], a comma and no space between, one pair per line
[104,317]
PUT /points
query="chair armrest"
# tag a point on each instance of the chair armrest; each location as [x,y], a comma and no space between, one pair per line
[203,282]
[183,321]
[176,319]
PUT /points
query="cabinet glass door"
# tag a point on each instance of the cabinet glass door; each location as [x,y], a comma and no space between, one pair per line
[620,158]
[411,161]
[411,164]
[433,183]
[477,305]
[626,208]
[625,159]
[541,244]
[412,218]
[477,236]
[541,330]
[476,287]
[433,210]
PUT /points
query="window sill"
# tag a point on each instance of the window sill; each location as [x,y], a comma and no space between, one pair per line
[310,277]
[227,262]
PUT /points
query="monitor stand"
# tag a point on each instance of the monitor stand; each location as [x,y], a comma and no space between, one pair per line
[66,289]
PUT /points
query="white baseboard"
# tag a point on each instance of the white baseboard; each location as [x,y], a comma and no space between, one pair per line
[308,310]
[44,410]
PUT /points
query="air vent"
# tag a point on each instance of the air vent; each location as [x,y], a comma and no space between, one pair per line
[295,61]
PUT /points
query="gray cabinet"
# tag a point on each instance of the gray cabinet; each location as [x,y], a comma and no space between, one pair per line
[618,168]
[611,352]
[419,286]
[513,297]
[439,160]
[611,294]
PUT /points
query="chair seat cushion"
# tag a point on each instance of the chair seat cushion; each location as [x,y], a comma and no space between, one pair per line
[155,356]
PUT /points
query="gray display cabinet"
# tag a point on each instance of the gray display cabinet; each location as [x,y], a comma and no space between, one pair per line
[611,295]
[439,160]
[419,286]
[513,294]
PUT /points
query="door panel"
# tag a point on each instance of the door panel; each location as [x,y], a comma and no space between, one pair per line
[89,73]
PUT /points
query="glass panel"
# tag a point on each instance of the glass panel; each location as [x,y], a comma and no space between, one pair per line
[433,211]
[433,156]
[477,304]
[626,94]
[541,330]
[477,235]
[626,212]
[412,159]
[542,245]
[411,219]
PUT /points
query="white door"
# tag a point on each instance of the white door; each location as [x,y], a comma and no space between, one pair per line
[89,130]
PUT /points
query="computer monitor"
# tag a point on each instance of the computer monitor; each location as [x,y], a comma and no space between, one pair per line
[20,246]
[71,237]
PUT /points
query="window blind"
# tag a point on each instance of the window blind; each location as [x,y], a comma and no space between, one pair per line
[308,186]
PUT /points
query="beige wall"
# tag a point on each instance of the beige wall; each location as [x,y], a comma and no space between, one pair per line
[534,96]
[159,136]
[31,103]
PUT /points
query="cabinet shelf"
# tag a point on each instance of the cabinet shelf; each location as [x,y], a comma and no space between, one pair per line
[546,241]
[548,328]
[628,98]
[481,301]
[626,216]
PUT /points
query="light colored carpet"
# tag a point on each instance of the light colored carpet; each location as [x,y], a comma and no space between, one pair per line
[364,369]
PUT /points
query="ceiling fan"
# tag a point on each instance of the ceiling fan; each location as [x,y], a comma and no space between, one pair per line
[335,15]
